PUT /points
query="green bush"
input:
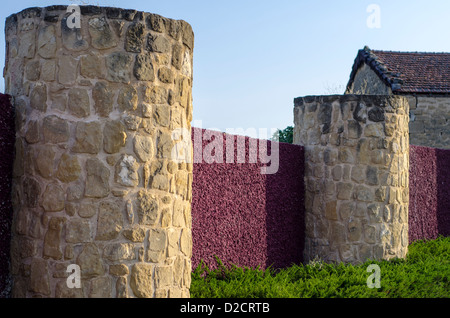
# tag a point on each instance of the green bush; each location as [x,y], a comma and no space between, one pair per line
[425,273]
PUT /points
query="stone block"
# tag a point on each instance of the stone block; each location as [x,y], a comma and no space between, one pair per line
[69,168]
[157,43]
[52,239]
[102,37]
[110,221]
[100,287]
[92,66]
[344,191]
[143,147]
[44,161]
[38,97]
[103,95]
[53,198]
[118,67]
[119,251]
[127,171]
[134,38]
[78,231]
[97,179]
[141,281]
[55,129]
[143,68]
[88,137]
[39,277]
[79,103]
[90,261]
[127,99]
[114,136]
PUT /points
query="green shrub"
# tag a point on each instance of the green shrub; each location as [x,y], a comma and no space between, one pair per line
[424,273]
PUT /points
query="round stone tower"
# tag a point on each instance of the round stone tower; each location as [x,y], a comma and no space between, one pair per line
[101,207]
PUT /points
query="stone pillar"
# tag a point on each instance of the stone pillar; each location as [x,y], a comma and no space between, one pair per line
[94,181]
[356,176]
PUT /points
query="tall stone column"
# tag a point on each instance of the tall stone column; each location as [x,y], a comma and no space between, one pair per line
[95,184]
[356,176]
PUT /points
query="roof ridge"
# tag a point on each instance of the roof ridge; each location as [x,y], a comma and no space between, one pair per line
[409,52]
[380,61]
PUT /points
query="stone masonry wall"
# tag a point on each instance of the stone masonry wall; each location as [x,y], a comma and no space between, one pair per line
[356,176]
[430,121]
[429,124]
[94,183]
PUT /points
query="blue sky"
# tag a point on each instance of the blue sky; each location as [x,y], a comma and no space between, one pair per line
[252,58]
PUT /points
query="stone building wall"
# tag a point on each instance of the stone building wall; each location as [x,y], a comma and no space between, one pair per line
[94,181]
[367,82]
[356,176]
[430,121]
[429,124]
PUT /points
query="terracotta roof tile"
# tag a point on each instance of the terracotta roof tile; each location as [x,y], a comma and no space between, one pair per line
[408,72]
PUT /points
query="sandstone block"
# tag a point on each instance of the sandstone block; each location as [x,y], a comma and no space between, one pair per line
[52,239]
[114,136]
[127,171]
[157,240]
[177,56]
[48,70]
[88,137]
[165,75]
[122,287]
[160,182]
[143,147]
[38,97]
[363,193]
[119,270]
[374,130]
[31,192]
[72,38]
[128,99]
[78,231]
[134,38]
[62,291]
[67,66]
[27,45]
[44,161]
[157,43]
[79,104]
[132,122]
[91,66]
[103,95]
[87,209]
[141,281]
[148,208]
[97,180]
[143,68]
[163,276]
[53,198]
[119,251]
[102,37]
[69,168]
[39,277]
[110,221]
[90,261]
[134,234]
[100,287]
[344,191]
[33,70]
[156,22]
[46,43]
[118,67]
[33,132]
[55,129]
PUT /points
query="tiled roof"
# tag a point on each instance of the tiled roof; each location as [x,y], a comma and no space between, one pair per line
[407,72]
